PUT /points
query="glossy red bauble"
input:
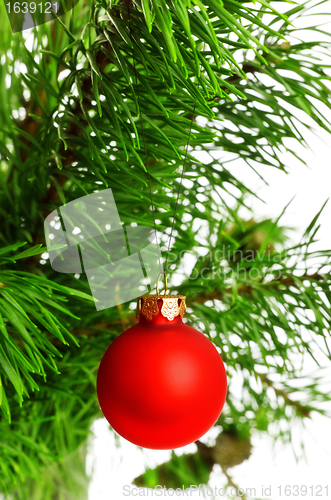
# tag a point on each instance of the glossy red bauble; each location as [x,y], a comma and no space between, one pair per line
[161,384]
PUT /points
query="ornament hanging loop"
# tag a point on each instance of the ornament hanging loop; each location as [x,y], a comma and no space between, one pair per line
[165,284]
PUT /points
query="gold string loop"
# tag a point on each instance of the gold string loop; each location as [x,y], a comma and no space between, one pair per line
[165,284]
[139,114]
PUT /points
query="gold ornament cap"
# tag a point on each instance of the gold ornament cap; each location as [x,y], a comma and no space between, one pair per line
[172,305]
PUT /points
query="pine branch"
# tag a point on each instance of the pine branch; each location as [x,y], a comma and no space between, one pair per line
[244,289]
[285,395]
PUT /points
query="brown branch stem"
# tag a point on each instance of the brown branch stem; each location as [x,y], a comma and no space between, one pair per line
[287,281]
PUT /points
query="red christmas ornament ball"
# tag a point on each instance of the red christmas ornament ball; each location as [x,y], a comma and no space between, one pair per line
[161,384]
